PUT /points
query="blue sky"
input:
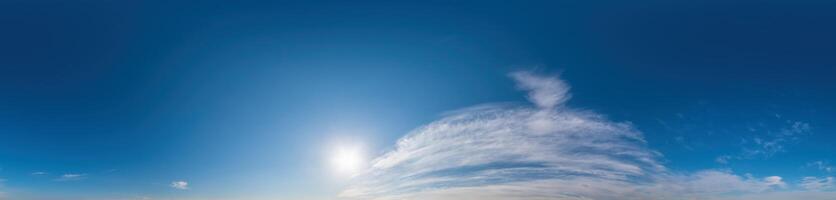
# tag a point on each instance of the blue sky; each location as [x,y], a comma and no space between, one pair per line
[251,99]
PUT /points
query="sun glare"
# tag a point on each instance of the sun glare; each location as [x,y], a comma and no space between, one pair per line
[347,160]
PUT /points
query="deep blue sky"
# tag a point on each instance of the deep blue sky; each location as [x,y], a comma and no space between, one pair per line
[240,98]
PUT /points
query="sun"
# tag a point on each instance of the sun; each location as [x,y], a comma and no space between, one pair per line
[347,160]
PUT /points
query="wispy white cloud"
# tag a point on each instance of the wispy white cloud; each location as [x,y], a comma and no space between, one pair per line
[774,181]
[545,91]
[770,143]
[38,173]
[821,165]
[708,184]
[724,159]
[71,177]
[775,142]
[545,152]
[180,185]
[818,184]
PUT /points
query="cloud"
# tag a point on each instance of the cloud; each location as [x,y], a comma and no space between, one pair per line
[551,151]
[724,159]
[775,142]
[818,184]
[180,185]
[770,143]
[71,177]
[546,92]
[702,185]
[821,165]
[38,173]
[774,181]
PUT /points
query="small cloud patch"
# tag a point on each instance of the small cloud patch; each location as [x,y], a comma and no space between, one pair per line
[71,177]
[180,185]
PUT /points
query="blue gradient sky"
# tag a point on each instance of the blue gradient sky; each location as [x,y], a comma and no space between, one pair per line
[242,100]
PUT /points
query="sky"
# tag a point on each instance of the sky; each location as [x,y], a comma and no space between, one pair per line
[256,100]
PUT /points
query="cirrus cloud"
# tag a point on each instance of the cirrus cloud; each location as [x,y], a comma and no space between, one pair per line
[180,185]
[549,151]
[71,177]
[818,184]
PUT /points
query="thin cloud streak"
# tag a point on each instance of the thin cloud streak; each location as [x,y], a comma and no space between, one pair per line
[180,185]
[818,184]
[71,177]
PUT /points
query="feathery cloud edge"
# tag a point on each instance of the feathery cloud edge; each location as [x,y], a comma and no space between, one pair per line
[549,151]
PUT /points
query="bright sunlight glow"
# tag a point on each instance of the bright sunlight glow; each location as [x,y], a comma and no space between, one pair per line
[347,160]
